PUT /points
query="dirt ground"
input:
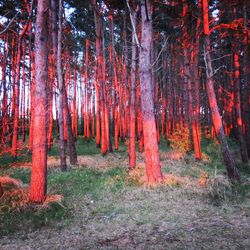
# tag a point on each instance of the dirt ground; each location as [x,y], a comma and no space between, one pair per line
[166,217]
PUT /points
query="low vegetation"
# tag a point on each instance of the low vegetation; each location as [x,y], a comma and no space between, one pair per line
[105,206]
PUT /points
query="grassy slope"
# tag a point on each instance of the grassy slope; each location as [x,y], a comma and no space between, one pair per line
[105,207]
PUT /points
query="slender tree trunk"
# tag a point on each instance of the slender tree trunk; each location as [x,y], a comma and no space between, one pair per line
[153,168]
[237,106]
[39,153]
[98,71]
[75,112]
[232,170]
[61,106]
[17,89]
[87,90]
[196,95]
[246,72]
[132,149]
[4,119]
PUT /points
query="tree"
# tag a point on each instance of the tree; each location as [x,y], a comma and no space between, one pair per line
[60,85]
[153,168]
[40,118]
[232,170]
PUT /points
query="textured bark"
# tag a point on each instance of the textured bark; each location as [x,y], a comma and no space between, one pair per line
[68,125]
[153,169]
[39,153]
[233,172]
[132,149]
[62,104]
[196,93]
[237,106]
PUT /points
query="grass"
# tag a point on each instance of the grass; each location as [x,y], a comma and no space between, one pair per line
[108,207]
[73,185]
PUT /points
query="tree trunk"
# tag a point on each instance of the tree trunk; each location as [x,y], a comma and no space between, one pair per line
[232,170]
[39,154]
[132,149]
[237,106]
[61,107]
[153,168]
[98,71]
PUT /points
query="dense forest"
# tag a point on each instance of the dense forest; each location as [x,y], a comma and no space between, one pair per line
[126,78]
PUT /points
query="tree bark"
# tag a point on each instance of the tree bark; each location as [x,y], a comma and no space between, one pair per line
[153,168]
[233,172]
[132,149]
[39,154]
[61,106]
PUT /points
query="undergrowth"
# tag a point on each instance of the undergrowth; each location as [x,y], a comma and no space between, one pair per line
[97,185]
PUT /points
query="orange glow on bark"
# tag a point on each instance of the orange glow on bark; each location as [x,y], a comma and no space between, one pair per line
[205,18]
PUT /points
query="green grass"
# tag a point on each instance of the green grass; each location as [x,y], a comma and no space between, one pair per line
[74,184]
[30,219]
[91,182]
[79,184]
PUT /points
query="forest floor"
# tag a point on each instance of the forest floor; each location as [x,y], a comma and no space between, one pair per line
[105,206]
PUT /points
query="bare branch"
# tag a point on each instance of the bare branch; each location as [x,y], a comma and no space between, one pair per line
[133,25]
[10,22]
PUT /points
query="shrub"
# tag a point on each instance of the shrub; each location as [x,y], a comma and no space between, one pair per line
[180,140]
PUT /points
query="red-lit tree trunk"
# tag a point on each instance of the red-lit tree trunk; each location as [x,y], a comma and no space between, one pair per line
[104,118]
[196,93]
[32,89]
[16,92]
[237,106]
[232,170]
[75,112]
[22,95]
[153,168]
[39,153]
[87,94]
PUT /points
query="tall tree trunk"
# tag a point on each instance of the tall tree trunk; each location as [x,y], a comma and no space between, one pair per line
[196,95]
[237,106]
[62,104]
[246,72]
[232,170]
[153,168]
[98,71]
[132,149]
[39,153]
[17,89]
